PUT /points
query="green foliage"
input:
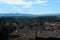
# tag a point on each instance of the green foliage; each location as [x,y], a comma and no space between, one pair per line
[20,20]
[31,39]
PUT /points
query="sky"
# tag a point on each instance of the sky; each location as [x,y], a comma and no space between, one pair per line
[36,7]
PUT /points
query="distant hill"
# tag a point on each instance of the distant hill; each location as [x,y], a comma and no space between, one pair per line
[26,15]
[50,14]
[15,14]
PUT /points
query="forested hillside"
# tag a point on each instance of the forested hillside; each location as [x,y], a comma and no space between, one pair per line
[23,20]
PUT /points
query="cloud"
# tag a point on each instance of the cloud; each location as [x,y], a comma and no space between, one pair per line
[16,9]
[44,4]
[11,9]
[23,2]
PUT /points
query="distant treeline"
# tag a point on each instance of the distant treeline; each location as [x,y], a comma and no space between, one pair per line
[26,20]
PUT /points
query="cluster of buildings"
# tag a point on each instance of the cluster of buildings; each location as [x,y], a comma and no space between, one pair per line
[45,30]
[51,29]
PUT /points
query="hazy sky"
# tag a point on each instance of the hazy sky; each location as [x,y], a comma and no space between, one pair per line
[30,6]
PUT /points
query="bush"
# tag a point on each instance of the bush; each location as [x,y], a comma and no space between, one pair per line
[30,38]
